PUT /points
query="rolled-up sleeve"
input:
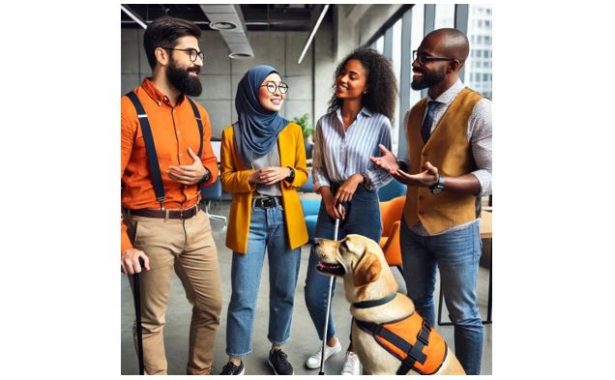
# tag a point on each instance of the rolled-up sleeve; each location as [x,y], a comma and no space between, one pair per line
[374,176]
[318,160]
[480,141]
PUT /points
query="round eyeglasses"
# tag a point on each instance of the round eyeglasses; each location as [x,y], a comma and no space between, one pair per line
[192,53]
[272,87]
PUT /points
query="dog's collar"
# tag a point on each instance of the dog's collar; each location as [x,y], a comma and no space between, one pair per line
[374,303]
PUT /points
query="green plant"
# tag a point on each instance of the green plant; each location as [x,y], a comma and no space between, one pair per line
[303,122]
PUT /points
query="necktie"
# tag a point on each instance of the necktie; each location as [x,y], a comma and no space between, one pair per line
[426,128]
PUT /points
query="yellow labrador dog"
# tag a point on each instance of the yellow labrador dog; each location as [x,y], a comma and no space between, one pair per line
[372,290]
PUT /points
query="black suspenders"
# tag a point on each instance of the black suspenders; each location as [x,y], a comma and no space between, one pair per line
[150,147]
[197,116]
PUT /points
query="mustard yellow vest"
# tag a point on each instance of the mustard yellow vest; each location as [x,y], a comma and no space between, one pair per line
[449,150]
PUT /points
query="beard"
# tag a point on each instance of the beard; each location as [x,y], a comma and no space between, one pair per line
[182,81]
[428,80]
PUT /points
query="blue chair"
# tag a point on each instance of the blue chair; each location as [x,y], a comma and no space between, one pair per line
[391,190]
[310,213]
[213,193]
[310,207]
[307,187]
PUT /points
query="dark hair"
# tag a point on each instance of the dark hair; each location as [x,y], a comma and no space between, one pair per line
[381,83]
[164,32]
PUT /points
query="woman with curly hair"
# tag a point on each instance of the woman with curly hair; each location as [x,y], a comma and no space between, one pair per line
[358,120]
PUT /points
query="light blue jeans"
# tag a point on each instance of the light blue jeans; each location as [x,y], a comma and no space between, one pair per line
[363,218]
[267,232]
[456,253]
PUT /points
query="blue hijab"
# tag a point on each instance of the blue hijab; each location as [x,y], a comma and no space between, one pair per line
[258,128]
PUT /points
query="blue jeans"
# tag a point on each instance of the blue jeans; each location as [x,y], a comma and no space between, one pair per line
[266,232]
[456,253]
[363,218]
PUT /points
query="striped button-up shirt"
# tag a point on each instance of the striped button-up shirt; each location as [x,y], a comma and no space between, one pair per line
[338,154]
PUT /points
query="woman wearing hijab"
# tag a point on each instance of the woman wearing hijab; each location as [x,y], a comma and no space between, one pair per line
[345,138]
[263,163]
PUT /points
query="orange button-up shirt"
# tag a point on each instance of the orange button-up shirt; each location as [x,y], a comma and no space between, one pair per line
[174,130]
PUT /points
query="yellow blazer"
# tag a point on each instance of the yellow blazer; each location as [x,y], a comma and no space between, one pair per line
[234,178]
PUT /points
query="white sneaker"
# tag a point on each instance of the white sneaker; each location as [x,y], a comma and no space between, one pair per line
[313,361]
[352,365]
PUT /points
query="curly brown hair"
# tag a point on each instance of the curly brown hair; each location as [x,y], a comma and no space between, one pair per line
[381,82]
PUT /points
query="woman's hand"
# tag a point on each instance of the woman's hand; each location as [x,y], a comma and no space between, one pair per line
[334,210]
[272,174]
[348,188]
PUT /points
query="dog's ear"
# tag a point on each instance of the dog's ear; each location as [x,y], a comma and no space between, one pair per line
[367,270]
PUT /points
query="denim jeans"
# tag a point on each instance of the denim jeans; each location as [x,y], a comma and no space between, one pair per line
[267,232]
[456,253]
[363,218]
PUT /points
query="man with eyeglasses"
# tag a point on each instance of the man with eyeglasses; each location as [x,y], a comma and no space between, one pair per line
[166,158]
[449,151]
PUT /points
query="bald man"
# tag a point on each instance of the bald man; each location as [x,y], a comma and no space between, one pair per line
[449,152]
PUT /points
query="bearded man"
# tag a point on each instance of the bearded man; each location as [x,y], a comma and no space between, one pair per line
[449,150]
[166,157]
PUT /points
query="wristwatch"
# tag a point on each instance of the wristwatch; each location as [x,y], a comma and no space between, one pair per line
[438,187]
[291,176]
[206,177]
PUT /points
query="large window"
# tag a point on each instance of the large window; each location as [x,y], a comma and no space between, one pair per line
[477,71]
[418,24]
[380,45]
[445,16]
[478,66]
[398,65]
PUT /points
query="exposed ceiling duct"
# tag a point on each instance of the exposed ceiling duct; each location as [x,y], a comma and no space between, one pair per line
[134,16]
[229,21]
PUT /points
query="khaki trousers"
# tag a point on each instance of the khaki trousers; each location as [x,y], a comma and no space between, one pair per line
[186,246]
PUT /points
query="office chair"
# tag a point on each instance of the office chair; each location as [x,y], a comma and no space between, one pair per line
[310,207]
[211,194]
[391,212]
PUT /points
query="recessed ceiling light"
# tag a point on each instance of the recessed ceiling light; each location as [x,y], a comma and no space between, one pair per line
[240,55]
[222,25]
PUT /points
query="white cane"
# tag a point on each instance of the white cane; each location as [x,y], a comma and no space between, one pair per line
[324,334]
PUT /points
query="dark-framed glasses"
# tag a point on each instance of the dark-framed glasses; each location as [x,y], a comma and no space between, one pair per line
[192,53]
[272,87]
[424,58]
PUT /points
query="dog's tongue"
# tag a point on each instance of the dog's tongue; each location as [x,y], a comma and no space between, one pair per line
[333,269]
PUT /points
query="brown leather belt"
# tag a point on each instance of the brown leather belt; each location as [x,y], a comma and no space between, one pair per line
[164,214]
[267,202]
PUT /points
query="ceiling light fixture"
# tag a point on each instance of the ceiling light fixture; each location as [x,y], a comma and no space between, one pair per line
[309,41]
[222,25]
[134,16]
[240,55]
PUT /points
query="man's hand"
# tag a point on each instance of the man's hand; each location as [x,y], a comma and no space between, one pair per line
[130,261]
[428,177]
[188,174]
[272,174]
[387,161]
[348,188]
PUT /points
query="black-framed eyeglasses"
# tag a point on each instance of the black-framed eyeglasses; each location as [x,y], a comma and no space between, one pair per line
[192,53]
[272,87]
[423,58]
